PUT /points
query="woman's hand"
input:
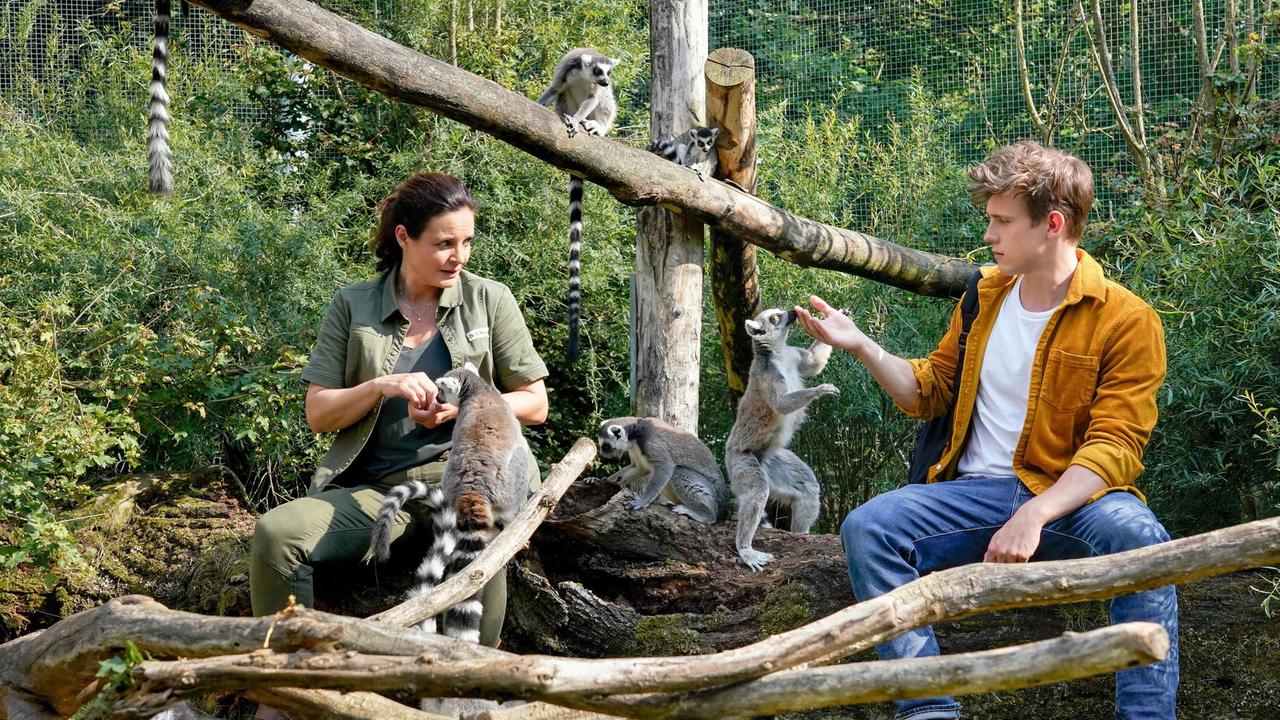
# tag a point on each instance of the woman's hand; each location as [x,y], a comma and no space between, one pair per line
[433,415]
[414,387]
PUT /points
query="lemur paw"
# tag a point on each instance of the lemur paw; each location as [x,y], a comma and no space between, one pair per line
[827,389]
[590,480]
[698,172]
[754,559]
[569,125]
[635,503]
[593,128]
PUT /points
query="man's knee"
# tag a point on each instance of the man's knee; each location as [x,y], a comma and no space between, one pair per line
[1132,525]
[870,522]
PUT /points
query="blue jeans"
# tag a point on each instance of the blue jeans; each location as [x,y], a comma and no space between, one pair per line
[898,536]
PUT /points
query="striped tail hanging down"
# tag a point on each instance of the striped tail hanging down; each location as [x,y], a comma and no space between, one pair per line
[161,176]
[574,300]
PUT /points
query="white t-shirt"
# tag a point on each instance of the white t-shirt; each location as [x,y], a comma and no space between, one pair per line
[1003,386]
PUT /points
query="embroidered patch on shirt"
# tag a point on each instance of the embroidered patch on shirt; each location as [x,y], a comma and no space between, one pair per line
[481,332]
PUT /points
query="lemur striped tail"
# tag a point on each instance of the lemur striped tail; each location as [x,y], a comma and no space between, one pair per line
[575,269]
[475,524]
[461,534]
[380,542]
[161,180]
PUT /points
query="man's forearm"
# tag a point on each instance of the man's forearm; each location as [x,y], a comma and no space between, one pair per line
[891,372]
[1067,495]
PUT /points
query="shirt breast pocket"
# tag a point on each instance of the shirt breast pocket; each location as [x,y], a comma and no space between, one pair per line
[1070,381]
[366,354]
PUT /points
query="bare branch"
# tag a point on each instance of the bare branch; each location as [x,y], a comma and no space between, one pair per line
[1136,60]
[1069,657]
[495,557]
[1020,44]
[336,705]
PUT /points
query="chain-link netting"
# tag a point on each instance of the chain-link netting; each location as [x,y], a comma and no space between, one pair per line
[878,61]
[866,59]
[44,43]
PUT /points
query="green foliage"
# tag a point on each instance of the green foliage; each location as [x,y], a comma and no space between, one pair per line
[139,333]
[1207,261]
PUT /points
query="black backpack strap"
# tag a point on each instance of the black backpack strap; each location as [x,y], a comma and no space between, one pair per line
[968,311]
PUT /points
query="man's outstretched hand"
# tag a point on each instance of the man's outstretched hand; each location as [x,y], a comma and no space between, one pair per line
[834,328]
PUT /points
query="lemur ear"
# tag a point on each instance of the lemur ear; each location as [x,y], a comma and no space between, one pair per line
[616,432]
[753,326]
[715,132]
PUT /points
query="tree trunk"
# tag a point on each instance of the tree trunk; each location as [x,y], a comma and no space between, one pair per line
[635,177]
[667,315]
[731,105]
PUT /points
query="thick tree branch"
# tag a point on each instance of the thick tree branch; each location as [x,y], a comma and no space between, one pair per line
[633,176]
[495,557]
[1069,657]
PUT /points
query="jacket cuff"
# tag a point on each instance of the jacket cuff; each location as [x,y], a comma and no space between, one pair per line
[925,389]
[1115,465]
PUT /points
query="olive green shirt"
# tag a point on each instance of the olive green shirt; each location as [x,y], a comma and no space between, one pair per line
[363,331]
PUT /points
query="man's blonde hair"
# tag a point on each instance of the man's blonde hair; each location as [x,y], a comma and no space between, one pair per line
[1046,178]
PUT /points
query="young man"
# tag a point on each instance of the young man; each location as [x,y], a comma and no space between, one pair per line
[1056,402]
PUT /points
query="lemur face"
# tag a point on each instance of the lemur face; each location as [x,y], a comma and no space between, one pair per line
[705,140]
[613,441]
[771,325]
[450,385]
[450,389]
[597,69]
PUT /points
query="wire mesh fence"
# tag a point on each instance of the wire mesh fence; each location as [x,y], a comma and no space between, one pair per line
[981,64]
[862,58]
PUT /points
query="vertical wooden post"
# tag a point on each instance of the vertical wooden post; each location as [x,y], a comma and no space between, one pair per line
[731,106]
[667,313]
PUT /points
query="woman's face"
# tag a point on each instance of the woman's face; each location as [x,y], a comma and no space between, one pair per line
[435,258]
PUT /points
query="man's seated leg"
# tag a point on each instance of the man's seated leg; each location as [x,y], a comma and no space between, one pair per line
[898,536]
[1117,522]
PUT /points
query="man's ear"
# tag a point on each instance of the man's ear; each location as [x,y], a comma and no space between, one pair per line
[1057,222]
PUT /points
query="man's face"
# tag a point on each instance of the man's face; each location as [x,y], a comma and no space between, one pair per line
[1019,245]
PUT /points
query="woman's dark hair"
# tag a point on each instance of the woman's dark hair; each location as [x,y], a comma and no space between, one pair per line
[413,204]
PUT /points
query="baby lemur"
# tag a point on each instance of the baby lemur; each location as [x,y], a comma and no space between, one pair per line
[694,148]
[760,466]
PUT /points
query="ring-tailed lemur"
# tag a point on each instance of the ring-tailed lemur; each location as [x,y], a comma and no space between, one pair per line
[485,481]
[760,466]
[580,92]
[161,176]
[694,148]
[668,462]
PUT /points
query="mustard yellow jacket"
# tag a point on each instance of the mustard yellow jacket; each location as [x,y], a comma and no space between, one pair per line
[1092,400]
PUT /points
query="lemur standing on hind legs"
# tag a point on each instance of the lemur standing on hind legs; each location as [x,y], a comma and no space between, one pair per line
[486,480]
[581,94]
[760,466]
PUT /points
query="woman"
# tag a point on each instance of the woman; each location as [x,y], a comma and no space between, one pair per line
[370,374]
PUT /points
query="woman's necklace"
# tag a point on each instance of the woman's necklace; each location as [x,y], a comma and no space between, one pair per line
[412,310]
